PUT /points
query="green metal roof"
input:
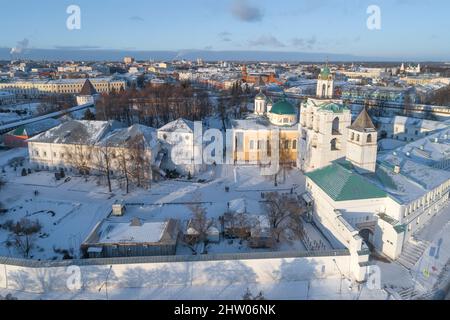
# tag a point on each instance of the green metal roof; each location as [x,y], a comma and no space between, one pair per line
[283,107]
[341,184]
[325,73]
[333,107]
[19,132]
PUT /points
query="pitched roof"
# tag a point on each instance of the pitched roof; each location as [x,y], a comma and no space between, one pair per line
[363,122]
[120,137]
[77,132]
[342,184]
[87,89]
[179,125]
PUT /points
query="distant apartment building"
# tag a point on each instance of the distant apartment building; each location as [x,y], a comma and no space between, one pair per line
[375,95]
[424,79]
[35,88]
[128,60]
[7,98]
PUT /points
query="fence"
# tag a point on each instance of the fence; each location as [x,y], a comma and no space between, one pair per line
[176,258]
[172,271]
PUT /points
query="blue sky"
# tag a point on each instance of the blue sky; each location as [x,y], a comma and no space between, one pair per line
[409,28]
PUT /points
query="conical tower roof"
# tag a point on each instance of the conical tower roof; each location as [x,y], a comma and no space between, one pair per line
[363,122]
[88,89]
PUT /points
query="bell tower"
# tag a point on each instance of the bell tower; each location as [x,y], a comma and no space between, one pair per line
[325,84]
[260,103]
[362,144]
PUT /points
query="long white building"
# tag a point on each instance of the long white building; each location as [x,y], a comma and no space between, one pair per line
[35,88]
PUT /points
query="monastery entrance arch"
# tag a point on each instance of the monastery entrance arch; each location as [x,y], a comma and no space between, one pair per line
[367,235]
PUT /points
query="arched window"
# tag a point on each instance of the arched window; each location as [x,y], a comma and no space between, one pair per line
[252,144]
[335,126]
[369,138]
[357,137]
[352,136]
[333,144]
[294,144]
[287,144]
[324,90]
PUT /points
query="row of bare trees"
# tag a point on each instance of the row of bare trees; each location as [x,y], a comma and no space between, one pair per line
[283,212]
[129,164]
[155,105]
[441,97]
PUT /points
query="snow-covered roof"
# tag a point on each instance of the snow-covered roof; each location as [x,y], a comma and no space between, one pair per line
[242,205]
[120,137]
[77,132]
[122,232]
[257,122]
[34,128]
[422,167]
[412,122]
[179,125]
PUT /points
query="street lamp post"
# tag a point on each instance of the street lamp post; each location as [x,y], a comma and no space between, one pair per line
[106,283]
[342,276]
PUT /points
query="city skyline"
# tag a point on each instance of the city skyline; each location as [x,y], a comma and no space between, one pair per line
[410,29]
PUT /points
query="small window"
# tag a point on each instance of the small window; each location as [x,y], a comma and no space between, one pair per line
[252,144]
[294,144]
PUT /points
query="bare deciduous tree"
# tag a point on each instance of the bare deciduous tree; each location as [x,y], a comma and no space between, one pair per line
[124,166]
[140,162]
[79,157]
[23,234]
[199,225]
[237,224]
[282,211]
[103,162]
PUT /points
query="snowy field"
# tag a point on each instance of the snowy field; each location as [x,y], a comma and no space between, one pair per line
[68,211]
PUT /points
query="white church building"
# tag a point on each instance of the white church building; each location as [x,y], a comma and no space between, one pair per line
[358,193]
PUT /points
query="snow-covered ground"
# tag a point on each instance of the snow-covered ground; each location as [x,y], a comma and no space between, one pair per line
[317,289]
[68,211]
[390,144]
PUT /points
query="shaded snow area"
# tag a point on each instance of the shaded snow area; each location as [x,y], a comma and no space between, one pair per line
[318,289]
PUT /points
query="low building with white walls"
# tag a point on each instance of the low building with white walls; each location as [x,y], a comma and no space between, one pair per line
[407,129]
[183,152]
[85,146]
